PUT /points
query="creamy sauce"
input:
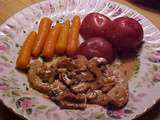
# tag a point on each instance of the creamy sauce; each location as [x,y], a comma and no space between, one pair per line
[128,67]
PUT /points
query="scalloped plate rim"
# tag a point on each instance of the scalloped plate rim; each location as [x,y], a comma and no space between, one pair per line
[8,19]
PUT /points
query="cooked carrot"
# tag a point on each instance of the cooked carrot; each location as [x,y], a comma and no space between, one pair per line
[50,44]
[44,28]
[61,44]
[73,40]
[26,50]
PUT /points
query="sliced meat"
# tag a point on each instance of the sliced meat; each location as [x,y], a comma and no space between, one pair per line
[72,83]
[65,79]
[71,105]
[68,100]
[91,94]
[59,86]
[92,66]
[80,88]
[86,76]
[107,87]
[100,61]
[35,81]
[69,96]
[119,94]
[81,62]
[69,64]
[38,83]
[101,98]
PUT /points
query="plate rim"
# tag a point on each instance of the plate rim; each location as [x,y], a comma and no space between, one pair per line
[114,2]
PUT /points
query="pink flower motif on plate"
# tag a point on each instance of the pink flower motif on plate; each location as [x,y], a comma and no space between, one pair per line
[3,86]
[4,46]
[26,104]
[118,112]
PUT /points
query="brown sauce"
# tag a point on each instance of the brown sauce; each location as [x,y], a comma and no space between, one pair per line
[128,67]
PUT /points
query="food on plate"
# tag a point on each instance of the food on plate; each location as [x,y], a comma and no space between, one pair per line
[50,43]
[25,52]
[95,25]
[62,41]
[126,34]
[87,75]
[76,82]
[44,28]
[96,47]
[73,39]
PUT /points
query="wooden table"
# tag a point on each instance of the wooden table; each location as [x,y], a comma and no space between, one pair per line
[10,7]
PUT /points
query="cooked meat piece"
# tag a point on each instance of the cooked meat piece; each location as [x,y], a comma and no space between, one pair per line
[119,94]
[100,61]
[59,86]
[71,74]
[38,83]
[43,70]
[69,100]
[64,78]
[108,83]
[97,84]
[69,64]
[91,94]
[45,73]
[101,99]
[71,105]
[92,66]
[77,76]
[103,68]
[72,97]
[81,62]
[109,79]
[113,72]
[72,83]
[61,70]
[35,81]
[86,76]
[107,87]
[80,88]
[85,86]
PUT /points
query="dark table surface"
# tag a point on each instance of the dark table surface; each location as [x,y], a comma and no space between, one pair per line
[12,6]
[6,114]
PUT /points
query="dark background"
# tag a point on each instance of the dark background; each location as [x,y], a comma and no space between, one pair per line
[8,115]
[150,3]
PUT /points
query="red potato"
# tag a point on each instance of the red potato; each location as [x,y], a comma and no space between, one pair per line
[96,47]
[126,34]
[95,25]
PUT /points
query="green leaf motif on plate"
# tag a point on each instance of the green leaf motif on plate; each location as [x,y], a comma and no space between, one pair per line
[29,111]
[41,107]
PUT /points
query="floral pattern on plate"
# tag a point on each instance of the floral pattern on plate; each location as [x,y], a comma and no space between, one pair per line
[16,93]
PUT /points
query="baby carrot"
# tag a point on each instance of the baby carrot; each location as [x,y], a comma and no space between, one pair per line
[44,28]
[49,46]
[61,44]
[25,52]
[73,40]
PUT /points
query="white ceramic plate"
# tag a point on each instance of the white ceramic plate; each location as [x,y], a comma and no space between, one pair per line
[16,93]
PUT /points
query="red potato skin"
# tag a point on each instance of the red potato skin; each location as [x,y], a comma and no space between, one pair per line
[126,34]
[95,25]
[96,47]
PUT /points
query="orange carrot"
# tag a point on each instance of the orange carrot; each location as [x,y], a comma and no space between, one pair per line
[73,41]
[61,44]
[44,28]
[50,44]
[26,50]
